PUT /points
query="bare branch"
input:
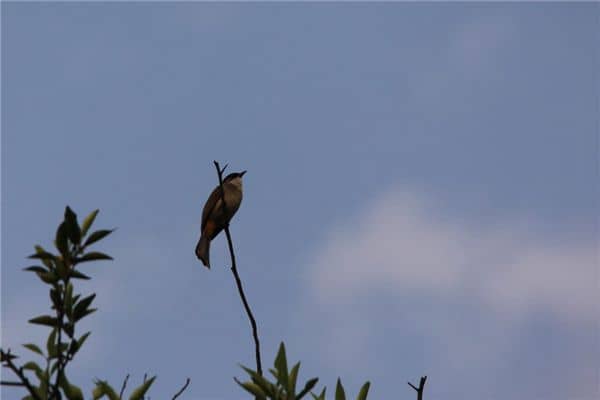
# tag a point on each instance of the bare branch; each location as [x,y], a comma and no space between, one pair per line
[10,383]
[7,359]
[187,382]
[419,389]
[123,386]
[237,277]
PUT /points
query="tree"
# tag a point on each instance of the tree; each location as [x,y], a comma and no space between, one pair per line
[60,271]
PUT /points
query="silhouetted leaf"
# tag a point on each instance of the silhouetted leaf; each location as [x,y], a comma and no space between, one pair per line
[85,313]
[364,390]
[34,348]
[141,390]
[93,256]
[281,366]
[88,221]
[69,300]
[69,329]
[78,275]
[98,235]
[339,391]
[51,344]
[265,385]
[252,388]
[104,389]
[6,356]
[55,297]
[61,269]
[61,240]
[307,387]
[41,254]
[44,320]
[49,277]
[32,367]
[292,378]
[82,306]
[36,268]
[71,226]
[76,345]
[320,396]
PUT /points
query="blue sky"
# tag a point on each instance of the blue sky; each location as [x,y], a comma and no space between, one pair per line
[422,194]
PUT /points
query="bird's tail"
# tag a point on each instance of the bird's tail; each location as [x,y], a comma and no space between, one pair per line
[202,250]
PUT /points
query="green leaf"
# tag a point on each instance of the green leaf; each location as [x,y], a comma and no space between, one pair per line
[320,396]
[51,344]
[69,300]
[76,344]
[69,329]
[252,388]
[71,391]
[49,277]
[82,306]
[72,227]
[44,320]
[61,240]
[82,339]
[339,391]
[281,366]
[33,367]
[265,385]
[61,268]
[307,387]
[141,390]
[87,222]
[78,275]
[36,268]
[85,314]
[55,297]
[34,348]
[41,254]
[364,390]
[98,235]
[292,378]
[93,256]
[104,389]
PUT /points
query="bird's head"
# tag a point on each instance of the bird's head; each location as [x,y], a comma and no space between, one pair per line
[235,178]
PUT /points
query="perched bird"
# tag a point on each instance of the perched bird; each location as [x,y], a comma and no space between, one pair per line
[215,217]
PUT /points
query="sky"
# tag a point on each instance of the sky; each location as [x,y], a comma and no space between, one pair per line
[422,195]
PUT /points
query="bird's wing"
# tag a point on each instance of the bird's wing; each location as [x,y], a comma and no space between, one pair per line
[210,205]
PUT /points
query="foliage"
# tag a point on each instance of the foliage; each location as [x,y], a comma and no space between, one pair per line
[47,380]
[284,386]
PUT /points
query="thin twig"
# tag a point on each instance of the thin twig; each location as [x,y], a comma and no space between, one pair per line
[419,389]
[11,383]
[6,357]
[187,382]
[123,386]
[236,275]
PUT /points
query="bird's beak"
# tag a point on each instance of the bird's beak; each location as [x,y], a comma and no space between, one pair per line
[242,173]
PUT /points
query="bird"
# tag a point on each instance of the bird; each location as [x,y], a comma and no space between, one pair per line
[215,217]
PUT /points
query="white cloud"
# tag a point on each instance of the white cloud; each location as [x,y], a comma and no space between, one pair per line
[469,293]
[400,244]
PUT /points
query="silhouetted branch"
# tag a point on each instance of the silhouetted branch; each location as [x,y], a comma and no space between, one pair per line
[123,386]
[10,383]
[236,275]
[419,389]
[187,382]
[7,360]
